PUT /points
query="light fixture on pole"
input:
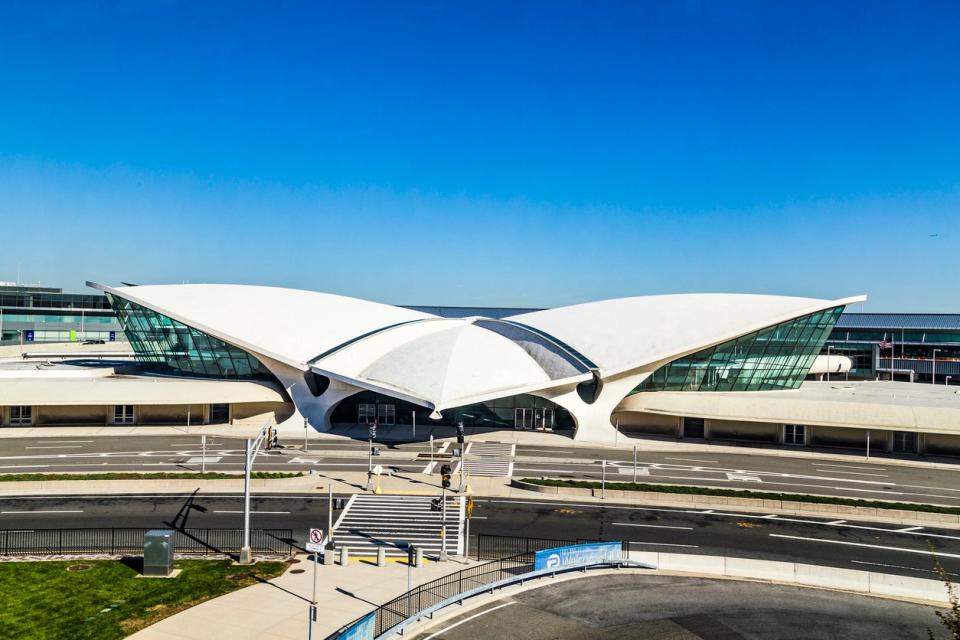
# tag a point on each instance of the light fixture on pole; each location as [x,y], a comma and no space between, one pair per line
[252,447]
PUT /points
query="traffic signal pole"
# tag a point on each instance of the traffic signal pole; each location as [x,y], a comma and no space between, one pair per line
[443,525]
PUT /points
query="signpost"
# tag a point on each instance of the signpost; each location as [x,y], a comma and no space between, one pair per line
[203,456]
[314,544]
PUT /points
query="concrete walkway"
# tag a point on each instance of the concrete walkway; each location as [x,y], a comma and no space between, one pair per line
[278,609]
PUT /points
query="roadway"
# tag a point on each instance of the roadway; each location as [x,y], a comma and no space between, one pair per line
[619,607]
[841,543]
[855,478]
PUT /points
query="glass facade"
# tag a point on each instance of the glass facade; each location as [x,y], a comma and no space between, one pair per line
[776,357]
[164,345]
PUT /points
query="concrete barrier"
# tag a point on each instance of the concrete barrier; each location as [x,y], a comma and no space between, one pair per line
[804,575]
[149,484]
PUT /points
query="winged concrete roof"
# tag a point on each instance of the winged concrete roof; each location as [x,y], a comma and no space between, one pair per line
[446,362]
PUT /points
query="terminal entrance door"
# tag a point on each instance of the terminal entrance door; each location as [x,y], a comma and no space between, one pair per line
[386,414]
[539,419]
[522,418]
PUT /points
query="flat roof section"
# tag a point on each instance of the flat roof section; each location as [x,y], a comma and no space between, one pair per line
[884,405]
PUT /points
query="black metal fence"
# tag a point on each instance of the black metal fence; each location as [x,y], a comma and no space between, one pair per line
[129,540]
[491,547]
[509,555]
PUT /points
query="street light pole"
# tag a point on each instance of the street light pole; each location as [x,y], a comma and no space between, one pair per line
[252,446]
[306,442]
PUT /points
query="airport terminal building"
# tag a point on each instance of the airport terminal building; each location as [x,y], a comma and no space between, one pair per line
[726,367]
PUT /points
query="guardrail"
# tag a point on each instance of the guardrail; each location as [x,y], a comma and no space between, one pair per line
[129,540]
[394,616]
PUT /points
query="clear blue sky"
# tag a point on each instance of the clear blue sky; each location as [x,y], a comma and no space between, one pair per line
[498,153]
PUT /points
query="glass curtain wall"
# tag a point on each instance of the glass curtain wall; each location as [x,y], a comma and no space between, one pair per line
[164,345]
[777,357]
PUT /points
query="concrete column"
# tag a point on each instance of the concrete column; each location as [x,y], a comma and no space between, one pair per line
[921,444]
[706,429]
[780,433]
[888,447]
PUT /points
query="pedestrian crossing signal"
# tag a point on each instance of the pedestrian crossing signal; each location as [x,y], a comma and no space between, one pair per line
[435,504]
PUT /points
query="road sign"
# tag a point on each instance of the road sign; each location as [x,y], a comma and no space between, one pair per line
[377,470]
[469,506]
[315,540]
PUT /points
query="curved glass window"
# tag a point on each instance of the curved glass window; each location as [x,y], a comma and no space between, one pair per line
[167,346]
[777,357]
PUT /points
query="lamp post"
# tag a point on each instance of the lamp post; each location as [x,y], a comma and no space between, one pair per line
[252,447]
[306,429]
[933,368]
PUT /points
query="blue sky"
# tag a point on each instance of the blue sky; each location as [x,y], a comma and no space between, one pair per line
[498,153]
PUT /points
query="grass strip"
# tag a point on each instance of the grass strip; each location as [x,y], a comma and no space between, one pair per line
[743,493]
[106,599]
[132,475]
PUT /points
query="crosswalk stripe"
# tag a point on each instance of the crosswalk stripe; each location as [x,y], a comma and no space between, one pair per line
[370,522]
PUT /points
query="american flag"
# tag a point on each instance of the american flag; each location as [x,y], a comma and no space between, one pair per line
[886,344]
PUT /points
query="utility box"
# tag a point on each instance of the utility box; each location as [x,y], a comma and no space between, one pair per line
[158,552]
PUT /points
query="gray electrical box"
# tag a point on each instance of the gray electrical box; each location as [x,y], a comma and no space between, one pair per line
[158,552]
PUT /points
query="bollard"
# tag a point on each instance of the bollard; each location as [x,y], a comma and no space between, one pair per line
[418,559]
[381,557]
[328,555]
[344,556]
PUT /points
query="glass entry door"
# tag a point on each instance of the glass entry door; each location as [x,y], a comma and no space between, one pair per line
[522,418]
[386,414]
[366,412]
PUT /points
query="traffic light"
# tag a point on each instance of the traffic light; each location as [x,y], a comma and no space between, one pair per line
[469,506]
[460,432]
[445,476]
[435,505]
[373,430]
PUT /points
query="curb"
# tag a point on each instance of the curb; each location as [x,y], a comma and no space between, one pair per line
[755,505]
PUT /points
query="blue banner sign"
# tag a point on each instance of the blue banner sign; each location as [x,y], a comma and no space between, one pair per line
[113,336]
[362,629]
[578,555]
[28,335]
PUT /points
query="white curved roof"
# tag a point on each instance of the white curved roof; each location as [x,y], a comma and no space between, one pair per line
[445,362]
[627,333]
[289,325]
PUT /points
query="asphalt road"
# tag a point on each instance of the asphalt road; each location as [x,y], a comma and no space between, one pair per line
[848,478]
[848,544]
[615,607]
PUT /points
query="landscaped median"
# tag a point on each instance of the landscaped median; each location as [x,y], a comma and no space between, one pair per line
[123,482]
[104,599]
[745,498]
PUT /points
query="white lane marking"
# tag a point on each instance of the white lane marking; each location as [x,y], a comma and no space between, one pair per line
[25,466]
[693,460]
[200,459]
[67,441]
[847,466]
[443,449]
[835,522]
[667,544]
[476,615]
[908,529]
[742,477]
[627,471]
[651,526]
[427,470]
[59,446]
[252,511]
[771,516]
[867,546]
[856,473]
[896,566]
[48,511]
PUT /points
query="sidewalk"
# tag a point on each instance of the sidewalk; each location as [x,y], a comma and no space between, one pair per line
[278,609]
